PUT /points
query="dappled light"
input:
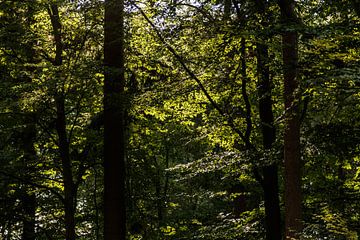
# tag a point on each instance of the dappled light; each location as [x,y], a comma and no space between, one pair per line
[179,119]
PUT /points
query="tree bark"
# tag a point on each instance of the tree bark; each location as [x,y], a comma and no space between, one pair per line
[114,122]
[270,172]
[292,159]
[63,143]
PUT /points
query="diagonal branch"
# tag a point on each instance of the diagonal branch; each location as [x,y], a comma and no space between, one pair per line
[179,58]
[181,61]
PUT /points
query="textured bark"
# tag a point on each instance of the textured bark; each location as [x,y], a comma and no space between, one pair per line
[114,122]
[270,172]
[293,224]
[63,143]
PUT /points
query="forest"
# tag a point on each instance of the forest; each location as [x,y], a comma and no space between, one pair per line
[179,119]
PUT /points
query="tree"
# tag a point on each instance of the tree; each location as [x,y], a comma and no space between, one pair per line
[115,104]
[292,158]
[270,172]
[198,107]
[60,122]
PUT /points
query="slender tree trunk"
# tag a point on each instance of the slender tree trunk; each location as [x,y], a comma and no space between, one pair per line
[114,122]
[166,184]
[96,205]
[159,197]
[63,143]
[69,186]
[270,172]
[240,201]
[245,95]
[292,159]
[29,207]
[28,198]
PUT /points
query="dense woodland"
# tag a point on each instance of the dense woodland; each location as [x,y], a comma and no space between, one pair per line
[179,119]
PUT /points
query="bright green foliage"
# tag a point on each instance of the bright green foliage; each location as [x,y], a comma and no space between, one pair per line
[189,173]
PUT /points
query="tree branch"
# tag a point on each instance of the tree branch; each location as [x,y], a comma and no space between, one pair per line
[28,182]
[244,92]
[179,58]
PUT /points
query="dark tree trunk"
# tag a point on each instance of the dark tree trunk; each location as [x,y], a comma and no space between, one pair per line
[239,200]
[270,172]
[63,143]
[29,207]
[237,189]
[159,197]
[69,186]
[166,184]
[292,159]
[245,95]
[96,205]
[28,198]
[114,122]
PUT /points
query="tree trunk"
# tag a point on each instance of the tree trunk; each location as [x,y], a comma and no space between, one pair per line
[114,122]
[292,159]
[28,198]
[270,172]
[69,186]
[63,143]
[237,189]
[29,207]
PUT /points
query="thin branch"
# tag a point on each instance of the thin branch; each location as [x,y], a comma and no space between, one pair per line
[82,168]
[76,118]
[45,130]
[181,61]
[28,182]
[230,120]
[199,9]
[243,90]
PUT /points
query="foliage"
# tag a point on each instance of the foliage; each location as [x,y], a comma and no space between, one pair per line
[190,175]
